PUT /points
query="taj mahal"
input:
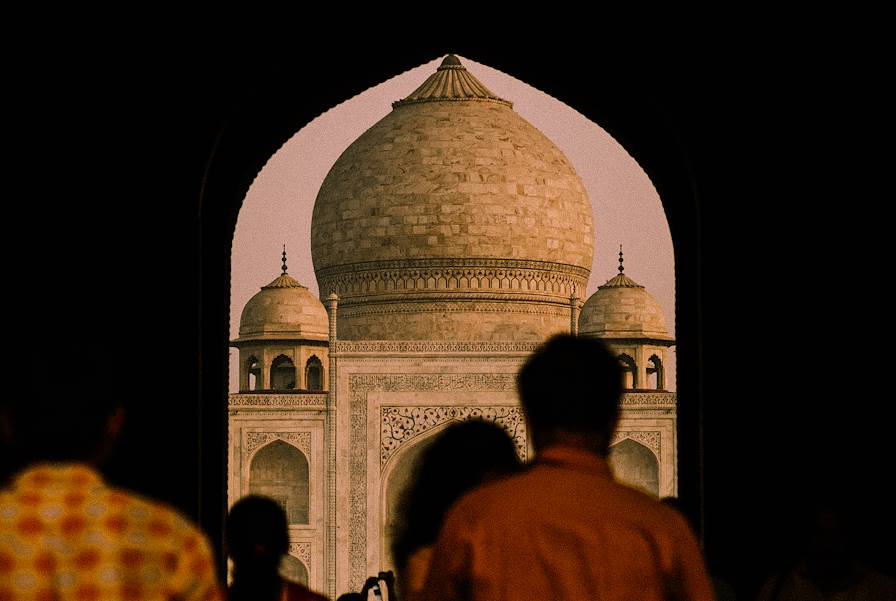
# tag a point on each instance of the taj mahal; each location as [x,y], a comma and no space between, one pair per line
[448,241]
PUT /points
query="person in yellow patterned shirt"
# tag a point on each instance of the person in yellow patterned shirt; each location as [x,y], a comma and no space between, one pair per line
[67,535]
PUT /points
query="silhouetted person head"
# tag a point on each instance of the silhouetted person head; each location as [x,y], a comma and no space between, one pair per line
[570,389]
[257,536]
[60,408]
[463,456]
[256,539]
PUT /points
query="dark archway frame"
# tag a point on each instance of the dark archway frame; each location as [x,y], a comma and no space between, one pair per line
[282,99]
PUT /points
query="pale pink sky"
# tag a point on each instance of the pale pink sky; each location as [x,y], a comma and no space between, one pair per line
[277,208]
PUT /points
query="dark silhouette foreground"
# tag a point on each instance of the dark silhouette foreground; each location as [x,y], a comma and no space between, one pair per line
[257,538]
[463,456]
[64,532]
[565,529]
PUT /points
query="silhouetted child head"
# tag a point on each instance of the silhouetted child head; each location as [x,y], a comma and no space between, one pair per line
[257,534]
[462,457]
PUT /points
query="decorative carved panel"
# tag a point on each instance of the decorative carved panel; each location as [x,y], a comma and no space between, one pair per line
[301,440]
[402,424]
[651,440]
[275,401]
[301,551]
[658,399]
[402,346]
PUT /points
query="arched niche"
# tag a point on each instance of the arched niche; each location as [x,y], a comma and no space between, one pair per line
[636,465]
[280,471]
[629,372]
[314,374]
[292,568]
[283,373]
[655,374]
[253,371]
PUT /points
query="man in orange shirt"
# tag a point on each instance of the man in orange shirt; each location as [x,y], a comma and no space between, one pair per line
[64,532]
[565,529]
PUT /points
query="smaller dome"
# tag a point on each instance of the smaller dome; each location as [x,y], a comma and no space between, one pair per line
[623,309]
[284,310]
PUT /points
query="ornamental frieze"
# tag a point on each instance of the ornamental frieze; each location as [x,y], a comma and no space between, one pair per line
[463,265]
[413,346]
[663,399]
[301,551]
[374,307]
[508,275]
[277,400]
[301,440]
[361,384]
[651,440]
[401,424]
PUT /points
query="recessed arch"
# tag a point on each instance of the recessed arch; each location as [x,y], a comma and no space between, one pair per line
[636,465]
[253,373]
[656,376]
[314,374]
[280,471]
[292,568]
[629,371]
[283,373]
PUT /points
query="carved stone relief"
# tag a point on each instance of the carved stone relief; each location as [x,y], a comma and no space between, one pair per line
[402,424]
[651,440]
[301,440]
[649,398]
[301,551]
[277,400]
[412,346]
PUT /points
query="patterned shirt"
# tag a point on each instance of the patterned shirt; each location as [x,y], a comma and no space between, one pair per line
[565,530]
[66,535]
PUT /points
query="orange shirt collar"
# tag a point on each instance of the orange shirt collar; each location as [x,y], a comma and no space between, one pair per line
[575,459]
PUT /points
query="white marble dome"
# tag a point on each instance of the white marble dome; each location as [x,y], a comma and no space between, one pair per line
[283,310]
[622,309]
[452,218]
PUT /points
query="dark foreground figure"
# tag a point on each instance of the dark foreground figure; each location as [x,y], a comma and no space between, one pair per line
[257,539]
[65,533]
[565,529]
[462,457]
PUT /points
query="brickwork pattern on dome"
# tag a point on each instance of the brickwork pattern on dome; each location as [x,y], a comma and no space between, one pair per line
[452,179]
[443,203]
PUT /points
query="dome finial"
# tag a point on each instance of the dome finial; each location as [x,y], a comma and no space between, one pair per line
[621,267]
[451,82]
[284,259]
[451,61]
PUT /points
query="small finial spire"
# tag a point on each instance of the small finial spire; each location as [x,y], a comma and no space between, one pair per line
[621,268]
[450,61]
[284,259]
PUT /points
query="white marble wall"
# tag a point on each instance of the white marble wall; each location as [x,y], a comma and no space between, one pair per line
[389,397]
